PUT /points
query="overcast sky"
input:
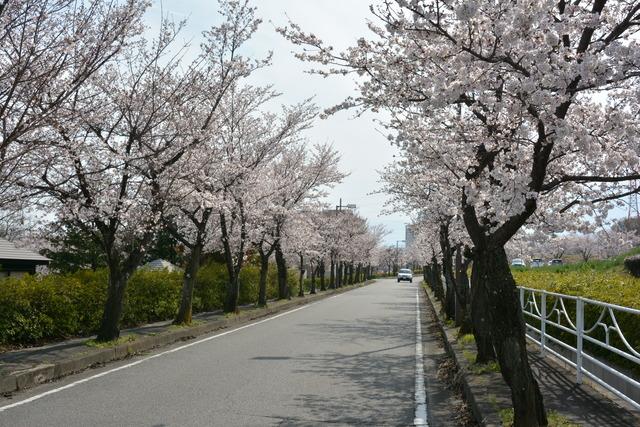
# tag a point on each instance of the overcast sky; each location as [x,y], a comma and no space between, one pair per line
[340,23]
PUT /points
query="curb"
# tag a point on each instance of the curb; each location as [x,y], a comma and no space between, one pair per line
[27,378]
[477,396]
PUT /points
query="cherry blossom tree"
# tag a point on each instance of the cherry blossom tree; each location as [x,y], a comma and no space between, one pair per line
[217,75]
[413,190]
[49,49]
[252,142]
[510,97]
[387,258]
[304,174]
[104,179]
[119,143]
[365,247]
[300,238]
[531,106]
[209,168]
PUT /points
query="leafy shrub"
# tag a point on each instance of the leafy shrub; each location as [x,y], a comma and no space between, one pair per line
[249,283]
[632,264]
[35,309]
[608,286]
[151,296]
[210,287]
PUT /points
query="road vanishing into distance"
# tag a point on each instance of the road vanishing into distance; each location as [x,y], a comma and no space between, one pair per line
[349,359]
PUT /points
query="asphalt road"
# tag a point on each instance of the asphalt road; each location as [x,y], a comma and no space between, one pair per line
[345,360]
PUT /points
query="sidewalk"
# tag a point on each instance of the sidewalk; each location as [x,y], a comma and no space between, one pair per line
[20,369]
[15,361]
[487,394]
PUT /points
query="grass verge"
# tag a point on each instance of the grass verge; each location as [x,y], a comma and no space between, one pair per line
[108,344]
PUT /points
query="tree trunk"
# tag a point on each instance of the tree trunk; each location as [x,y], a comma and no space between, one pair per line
[233,285]
[436,279]
[427,276]
[332,274]
[480,318]
[345,273]
[281,263]
[322,276]
[233,293]
[508,335]
[463,318]
[447,271]
[110,325]
[262,282]
[450,293]
[185,311]
[301,290]
[351,273]
[314,272]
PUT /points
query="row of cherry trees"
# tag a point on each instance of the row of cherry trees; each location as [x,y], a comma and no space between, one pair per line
[508,115]
[122,136]
[600,244]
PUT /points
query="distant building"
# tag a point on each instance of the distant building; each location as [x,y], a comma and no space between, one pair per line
[160,264]
[409,235]
[15,262]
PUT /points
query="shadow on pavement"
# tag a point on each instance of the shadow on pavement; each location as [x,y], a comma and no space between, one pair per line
[562,394]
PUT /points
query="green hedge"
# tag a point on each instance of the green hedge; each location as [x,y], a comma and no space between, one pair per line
[610,286]
[39,308]
[35,309]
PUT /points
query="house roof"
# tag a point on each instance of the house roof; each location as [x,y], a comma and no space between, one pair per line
[8,251]
[160,264]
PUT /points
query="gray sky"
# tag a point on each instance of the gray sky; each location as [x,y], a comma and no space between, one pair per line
[340,23]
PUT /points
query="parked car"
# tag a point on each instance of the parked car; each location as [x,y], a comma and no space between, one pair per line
[405,275]
[518,262]
[555,262]
[536,262]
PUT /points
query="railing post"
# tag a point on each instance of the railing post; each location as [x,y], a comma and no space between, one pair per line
[543,321]
[579,334]
[521,297]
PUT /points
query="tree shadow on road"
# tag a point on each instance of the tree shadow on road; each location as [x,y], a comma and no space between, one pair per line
[375,386]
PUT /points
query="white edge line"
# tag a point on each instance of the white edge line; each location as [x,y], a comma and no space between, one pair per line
[137,362]
[420,418]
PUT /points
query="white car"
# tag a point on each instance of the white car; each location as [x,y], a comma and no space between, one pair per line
[405,274]
[518,262]
[537,262]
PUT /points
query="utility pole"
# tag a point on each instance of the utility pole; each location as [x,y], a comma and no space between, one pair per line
[397,250]
[340,206]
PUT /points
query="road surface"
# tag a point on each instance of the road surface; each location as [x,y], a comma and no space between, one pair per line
[346,360]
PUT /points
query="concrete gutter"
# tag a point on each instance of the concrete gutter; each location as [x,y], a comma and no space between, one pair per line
[26,378]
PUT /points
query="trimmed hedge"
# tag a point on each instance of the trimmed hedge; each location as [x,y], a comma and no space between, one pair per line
[607,286]
[36,309]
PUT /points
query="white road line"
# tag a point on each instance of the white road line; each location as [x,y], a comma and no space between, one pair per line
[420,418]
[137,362]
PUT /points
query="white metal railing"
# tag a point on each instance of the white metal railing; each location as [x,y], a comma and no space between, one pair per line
[550,309]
